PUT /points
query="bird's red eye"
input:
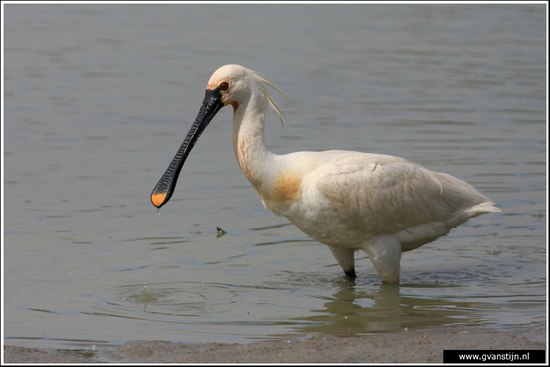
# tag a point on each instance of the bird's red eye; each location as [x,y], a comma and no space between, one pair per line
[224,85]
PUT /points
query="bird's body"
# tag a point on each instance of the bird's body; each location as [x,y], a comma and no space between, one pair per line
[347,200]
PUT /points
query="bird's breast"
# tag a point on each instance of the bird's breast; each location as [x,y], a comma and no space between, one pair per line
[284,191]
[288,187]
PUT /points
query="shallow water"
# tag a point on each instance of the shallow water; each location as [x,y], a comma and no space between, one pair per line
[99,97]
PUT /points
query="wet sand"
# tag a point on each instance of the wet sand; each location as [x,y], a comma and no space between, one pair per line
[414,347]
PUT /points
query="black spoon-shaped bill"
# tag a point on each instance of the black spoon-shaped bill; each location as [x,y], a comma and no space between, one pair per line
[164,189]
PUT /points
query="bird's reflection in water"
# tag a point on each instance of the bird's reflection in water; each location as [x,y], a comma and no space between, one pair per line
[354,311]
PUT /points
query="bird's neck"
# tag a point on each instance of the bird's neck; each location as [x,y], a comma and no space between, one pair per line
[248,139]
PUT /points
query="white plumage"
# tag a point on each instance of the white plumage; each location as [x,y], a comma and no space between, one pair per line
[347,200]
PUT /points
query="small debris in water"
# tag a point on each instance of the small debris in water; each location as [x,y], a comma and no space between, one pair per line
[221,232]
[146,298]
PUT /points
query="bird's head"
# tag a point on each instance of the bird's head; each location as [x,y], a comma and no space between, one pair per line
[229,85]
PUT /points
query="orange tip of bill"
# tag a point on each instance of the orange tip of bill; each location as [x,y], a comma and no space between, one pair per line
[158,198]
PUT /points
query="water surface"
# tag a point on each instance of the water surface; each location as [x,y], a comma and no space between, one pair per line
[99,97]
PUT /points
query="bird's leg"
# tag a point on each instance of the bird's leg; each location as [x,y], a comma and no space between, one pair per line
[344,256]
[385,254]
[350,273]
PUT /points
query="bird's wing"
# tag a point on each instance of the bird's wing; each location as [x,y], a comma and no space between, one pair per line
[382,194]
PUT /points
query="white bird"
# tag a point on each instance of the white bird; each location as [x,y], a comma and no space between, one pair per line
[350,201]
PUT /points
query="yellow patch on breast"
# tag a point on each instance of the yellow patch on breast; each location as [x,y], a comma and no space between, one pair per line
[288,186]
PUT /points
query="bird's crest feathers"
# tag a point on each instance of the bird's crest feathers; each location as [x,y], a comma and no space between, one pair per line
[263,83]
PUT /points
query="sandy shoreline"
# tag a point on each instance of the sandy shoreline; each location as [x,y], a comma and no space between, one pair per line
[414,347]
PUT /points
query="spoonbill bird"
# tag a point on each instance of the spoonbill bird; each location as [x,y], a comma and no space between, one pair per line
[347,200]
